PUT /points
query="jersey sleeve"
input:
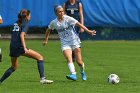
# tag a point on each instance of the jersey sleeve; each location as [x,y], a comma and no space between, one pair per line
[0,17]
[25,27]
[51,25]
[71,20]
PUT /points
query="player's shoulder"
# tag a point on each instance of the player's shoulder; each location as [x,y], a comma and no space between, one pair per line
[25,24]
[53,21]
[67,17]
[78,2]
[67,3]
[0,17]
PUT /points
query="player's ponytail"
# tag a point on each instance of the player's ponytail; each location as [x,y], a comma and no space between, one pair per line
[22,16]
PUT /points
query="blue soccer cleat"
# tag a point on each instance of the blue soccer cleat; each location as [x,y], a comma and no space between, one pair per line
[72,77]
[83,74]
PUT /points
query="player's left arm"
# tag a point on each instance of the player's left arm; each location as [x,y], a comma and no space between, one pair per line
[91,32]
[81,16]
[64,8]
[22,37]
[22,34]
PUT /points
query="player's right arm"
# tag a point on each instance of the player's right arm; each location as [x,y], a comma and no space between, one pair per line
[46,36]
[50,28]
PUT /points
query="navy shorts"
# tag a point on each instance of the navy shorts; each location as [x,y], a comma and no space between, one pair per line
[16,51]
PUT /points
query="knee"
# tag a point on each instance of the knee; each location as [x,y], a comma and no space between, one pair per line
[68,59]
[78,50]
[40,57]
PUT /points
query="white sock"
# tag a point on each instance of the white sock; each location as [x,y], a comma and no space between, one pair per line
[42,78]
[82,67]
[71,67]
[0,50]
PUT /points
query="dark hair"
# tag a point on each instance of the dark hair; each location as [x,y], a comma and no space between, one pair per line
[22,16]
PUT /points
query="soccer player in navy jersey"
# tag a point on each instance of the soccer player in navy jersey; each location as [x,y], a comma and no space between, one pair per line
[18,47]
[74,9]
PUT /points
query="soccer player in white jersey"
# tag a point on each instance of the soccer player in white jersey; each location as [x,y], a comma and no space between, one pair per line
[64,25]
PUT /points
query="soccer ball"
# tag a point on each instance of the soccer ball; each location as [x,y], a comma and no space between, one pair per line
[113,79]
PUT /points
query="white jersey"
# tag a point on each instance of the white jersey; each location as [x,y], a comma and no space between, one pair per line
[0,17]
[66,30]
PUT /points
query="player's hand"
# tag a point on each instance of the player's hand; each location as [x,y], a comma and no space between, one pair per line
[44,43]
[26,50]
[93,32]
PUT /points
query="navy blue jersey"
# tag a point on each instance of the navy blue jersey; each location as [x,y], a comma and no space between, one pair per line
[73,10]
[16,47]
[15,37]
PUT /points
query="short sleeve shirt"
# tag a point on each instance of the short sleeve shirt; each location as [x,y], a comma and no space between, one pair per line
[0,17]
[15,36]
[65,29]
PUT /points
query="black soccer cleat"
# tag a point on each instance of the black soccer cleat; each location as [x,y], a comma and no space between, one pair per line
[0,57]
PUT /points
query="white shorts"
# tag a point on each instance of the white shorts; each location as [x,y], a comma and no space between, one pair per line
[71,44]
[72,47]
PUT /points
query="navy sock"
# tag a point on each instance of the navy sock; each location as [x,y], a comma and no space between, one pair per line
[7,74]
[40,64]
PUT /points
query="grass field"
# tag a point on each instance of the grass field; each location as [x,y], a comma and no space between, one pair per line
[101,59]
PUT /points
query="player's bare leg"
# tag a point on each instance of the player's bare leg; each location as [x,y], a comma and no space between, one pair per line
[68,55]
[79,61]
[40,62]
